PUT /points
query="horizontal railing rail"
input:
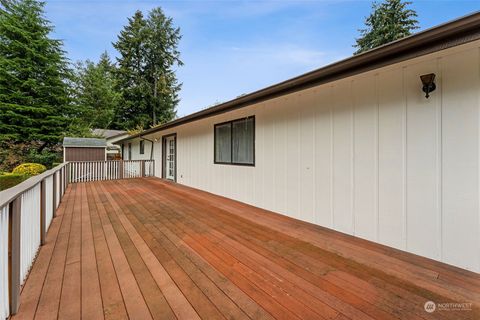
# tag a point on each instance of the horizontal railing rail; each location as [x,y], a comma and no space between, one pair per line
[26,211]
[84,171]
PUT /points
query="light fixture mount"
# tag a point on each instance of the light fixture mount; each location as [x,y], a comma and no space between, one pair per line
[428,82]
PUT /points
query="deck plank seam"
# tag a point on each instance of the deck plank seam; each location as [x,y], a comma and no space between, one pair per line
[192,280]
[61,217]
[146,192]
[114,211]
[115,239]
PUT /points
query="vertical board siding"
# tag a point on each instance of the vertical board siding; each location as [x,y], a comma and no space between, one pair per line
[292,157]
[30,229]
[4,295]
[368,155]
[460,159]
[422,163]
[365,157]
[342,157]
[306,156]
[391,126]
[323,164]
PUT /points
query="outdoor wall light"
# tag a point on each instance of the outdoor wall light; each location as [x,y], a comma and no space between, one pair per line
[428,83]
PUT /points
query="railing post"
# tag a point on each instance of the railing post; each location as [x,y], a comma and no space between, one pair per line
[142,168]
[67,175]
[43,212]
[62,181]
[65,170]
[14,254]
[54,195]
[120,168]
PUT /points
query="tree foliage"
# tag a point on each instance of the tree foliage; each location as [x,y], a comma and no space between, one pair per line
[42,100]
[389,21]
[34,95]
[148,49]
[96,96]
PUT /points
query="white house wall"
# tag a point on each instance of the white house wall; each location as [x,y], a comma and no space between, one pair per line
[368,155]
[136,150]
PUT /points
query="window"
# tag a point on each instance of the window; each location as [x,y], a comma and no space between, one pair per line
[129,151]
[235,142]
[223,143]
[142,146]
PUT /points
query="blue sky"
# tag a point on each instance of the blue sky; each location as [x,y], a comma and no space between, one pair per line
[235,47]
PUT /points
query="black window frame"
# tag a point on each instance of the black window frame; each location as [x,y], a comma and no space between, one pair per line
[231,122]
[142,147]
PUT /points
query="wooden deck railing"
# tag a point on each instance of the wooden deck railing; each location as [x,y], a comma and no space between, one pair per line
[82,171]
[27,210]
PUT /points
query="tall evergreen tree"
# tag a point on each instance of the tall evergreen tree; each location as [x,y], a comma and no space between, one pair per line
[34,96]
[162,55]
[389,21]
[96,96]
[146,76]
[133,107]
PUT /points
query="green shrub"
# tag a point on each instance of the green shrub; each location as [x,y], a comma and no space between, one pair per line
[56,164]
[30,169]
[47,158]
[9,180]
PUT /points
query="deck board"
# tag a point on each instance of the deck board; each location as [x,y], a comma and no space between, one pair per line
[151,249]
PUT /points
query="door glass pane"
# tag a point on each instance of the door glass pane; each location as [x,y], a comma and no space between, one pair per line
[242,140]
[223,143]
[170,158]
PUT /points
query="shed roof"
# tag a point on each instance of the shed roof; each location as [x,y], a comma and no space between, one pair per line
[84,142]
[447,35]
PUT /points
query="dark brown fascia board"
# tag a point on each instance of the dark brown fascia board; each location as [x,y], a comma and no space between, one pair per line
[450,34]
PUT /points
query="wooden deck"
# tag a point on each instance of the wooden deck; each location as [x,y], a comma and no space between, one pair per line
[145,248]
